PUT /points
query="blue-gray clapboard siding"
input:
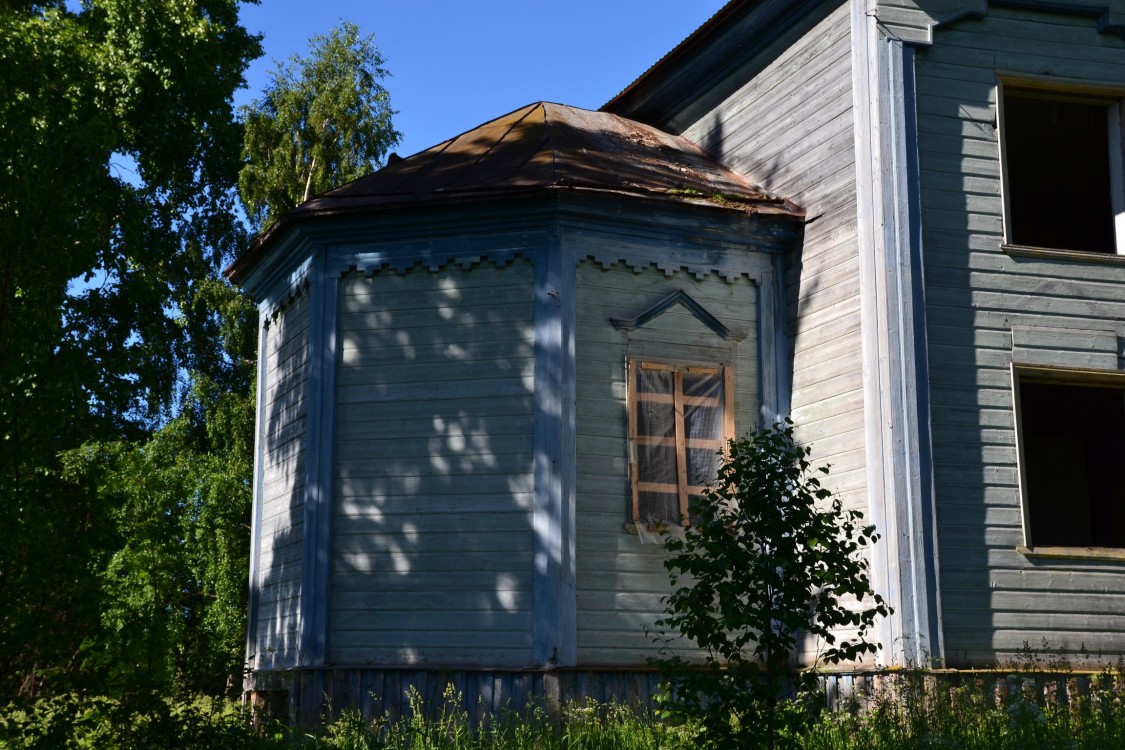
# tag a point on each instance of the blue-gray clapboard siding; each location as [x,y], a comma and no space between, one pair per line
[982,306]
[620,579]
[790,129]
[432,539]
[283,482]
[915,20]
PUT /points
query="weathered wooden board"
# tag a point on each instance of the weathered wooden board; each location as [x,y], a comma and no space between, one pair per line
[609,559]
[986,310]
[790,128]
[282,457]
[434,467]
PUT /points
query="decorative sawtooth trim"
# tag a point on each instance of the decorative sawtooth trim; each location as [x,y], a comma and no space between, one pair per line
[370,263]
[730,272]
[272,308]
[285,290]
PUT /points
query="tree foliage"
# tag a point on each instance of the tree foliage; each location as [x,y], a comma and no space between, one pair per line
[119,153]
[324,120]
[126,363]
[770,554]
[172,617]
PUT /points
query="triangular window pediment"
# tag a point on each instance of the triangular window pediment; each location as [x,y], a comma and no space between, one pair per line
[683,299]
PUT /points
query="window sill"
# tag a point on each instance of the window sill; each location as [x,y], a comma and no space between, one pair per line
[1072,553]
[1048,253]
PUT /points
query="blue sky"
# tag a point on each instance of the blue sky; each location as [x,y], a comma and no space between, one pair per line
[455,65]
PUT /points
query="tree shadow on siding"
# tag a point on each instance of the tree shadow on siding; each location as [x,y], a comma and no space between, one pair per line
[274,594]
[972,409]
[432,525]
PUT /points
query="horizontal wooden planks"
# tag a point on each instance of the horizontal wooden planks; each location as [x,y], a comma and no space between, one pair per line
[279,563]
[791,129]
[433,474]
[981,302]
[621,578]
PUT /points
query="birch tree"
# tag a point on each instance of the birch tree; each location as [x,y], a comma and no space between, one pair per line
[324,120]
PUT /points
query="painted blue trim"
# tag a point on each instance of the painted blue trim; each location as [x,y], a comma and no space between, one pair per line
[320,437]
[553,444]
[253,594]
[729,266]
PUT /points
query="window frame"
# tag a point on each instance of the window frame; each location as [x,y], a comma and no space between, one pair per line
[680,442]
[1113,97]
[1054,376]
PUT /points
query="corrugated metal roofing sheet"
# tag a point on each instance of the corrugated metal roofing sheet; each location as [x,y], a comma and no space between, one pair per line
[539,147]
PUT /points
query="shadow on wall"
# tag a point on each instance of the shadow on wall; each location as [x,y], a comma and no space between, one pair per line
[274,596]
[432,525]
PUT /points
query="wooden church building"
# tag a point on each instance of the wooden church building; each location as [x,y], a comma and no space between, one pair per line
[487,369]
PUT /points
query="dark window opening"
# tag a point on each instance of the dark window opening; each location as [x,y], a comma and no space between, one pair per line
[1059,187]
[1073,440]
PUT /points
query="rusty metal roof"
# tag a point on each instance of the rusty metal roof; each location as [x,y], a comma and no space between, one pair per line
[542,146]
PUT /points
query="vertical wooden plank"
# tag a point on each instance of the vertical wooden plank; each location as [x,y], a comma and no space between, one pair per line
[392,695]
[254,591]
[369,689]
[553,437]
[316,549]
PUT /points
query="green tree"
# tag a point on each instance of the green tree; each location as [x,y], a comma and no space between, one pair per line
[119,154]
[173,607]
[769,554]
[323,120]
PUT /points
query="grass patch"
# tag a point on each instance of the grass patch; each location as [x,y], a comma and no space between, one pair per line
[921,711]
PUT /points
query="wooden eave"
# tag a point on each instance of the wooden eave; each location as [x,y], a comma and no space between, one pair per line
[698,67]
[540,147]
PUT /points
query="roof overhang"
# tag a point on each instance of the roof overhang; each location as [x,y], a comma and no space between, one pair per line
[700,72]
[543,148]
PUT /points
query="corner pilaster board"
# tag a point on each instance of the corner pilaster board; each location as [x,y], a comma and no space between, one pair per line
[554,639]
[253,595]
[896,392]
[317,541]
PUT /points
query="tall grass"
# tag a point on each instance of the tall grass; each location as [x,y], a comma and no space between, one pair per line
[448,726]
[920,711]
[1016,714]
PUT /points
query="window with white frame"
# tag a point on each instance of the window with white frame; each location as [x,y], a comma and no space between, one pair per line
[680,418]
[1064,185]
[1072,459]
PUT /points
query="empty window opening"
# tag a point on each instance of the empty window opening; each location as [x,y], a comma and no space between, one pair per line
[1060,155]
[1073,449]
[680,417]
